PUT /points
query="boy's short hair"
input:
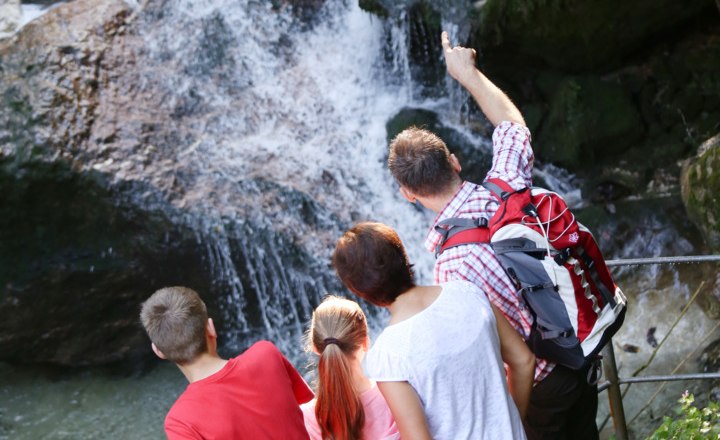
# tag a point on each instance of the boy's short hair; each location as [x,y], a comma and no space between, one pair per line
[420,161]
[175,319]
[371,261]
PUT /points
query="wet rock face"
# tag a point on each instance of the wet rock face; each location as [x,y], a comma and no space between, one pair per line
[424,49]
[700,183]
[65,250]
[77,260]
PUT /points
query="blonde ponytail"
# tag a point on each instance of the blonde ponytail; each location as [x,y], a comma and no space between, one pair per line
[338,330]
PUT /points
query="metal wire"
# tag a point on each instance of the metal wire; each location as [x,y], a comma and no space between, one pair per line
[663,260]
[666,378]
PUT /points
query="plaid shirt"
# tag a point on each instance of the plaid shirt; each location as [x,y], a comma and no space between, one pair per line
[477,263]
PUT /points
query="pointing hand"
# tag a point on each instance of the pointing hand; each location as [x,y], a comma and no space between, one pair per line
[460,60]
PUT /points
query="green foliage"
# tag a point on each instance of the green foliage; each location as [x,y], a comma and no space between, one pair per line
[692,423]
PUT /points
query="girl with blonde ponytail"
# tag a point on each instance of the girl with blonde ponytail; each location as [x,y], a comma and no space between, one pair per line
[348,405]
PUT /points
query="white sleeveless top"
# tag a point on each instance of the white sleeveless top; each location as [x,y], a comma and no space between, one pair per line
[450,354]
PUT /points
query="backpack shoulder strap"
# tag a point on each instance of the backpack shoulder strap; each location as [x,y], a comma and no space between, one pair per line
[499,188]
[458,231]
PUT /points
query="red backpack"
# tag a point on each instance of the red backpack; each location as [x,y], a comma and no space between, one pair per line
[556,266]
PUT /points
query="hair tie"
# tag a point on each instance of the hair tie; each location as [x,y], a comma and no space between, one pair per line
[329,341]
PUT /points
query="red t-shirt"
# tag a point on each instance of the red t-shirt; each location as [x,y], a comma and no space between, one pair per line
[255,396]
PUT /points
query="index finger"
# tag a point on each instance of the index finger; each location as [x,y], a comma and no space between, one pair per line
[445,41]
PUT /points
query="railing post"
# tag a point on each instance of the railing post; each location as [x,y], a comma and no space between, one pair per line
[614,395]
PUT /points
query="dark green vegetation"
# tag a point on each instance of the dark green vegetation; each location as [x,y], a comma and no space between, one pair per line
[617,92]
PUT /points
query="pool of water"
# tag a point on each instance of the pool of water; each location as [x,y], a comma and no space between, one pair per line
[38,404]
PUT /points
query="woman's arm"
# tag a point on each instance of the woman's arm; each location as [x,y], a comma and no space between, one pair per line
[407,409]
[520,361]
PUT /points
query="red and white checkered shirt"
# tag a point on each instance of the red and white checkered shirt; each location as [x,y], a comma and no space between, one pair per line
[477,263]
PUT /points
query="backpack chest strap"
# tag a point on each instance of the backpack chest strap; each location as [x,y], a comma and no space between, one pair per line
[499,188]
[459,231]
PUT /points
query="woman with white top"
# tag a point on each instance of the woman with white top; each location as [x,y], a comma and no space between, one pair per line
[348,405]
[439,362]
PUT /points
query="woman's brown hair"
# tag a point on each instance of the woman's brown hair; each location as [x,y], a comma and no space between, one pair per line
[371,261]
[338,330]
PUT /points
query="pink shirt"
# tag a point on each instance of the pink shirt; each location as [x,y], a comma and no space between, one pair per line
[477,263]
[379,421]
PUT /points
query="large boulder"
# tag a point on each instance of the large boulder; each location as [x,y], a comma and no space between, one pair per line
[77,252]
[700,183]
[104,200]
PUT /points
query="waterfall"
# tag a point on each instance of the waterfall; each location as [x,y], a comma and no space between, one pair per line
[279,121]
[274,143]
[282,145]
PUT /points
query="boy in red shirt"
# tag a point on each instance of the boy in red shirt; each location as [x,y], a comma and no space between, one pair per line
[255,395]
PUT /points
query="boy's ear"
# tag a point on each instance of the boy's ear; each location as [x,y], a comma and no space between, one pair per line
[157,351]
[210,328]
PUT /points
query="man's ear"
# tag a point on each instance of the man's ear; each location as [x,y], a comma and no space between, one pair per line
[455,163]
[408,195]
[157,351]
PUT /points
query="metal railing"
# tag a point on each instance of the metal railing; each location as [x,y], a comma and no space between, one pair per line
[613,381]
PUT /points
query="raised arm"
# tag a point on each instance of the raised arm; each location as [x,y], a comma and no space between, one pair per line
[520,361]
[406,408]
[494,103]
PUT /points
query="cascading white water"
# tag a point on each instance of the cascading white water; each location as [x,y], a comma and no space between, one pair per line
[305,108]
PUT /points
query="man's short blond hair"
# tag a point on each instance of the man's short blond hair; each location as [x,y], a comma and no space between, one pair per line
[175,319]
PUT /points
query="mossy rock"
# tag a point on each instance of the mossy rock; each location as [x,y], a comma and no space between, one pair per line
[589,119]
[612,183]
[579,36]
[700,184]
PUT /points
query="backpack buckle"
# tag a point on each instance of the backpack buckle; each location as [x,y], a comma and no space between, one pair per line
[594,373]
[562,256]
[530,210]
